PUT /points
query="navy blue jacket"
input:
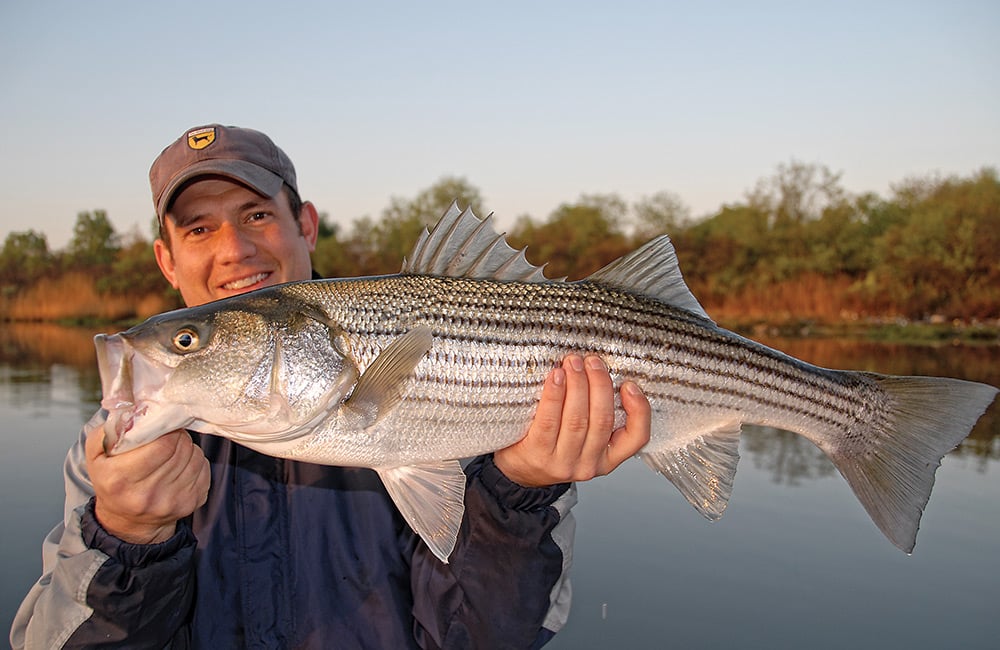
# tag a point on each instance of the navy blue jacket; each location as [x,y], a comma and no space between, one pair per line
[294,555]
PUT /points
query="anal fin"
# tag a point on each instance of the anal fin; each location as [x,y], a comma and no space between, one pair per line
[703,469]
[431,497]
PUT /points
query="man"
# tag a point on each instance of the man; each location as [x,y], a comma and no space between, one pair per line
[195,541]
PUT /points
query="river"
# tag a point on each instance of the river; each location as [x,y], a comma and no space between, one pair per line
[794,563]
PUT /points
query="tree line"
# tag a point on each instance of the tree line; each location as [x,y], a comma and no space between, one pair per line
[797,245]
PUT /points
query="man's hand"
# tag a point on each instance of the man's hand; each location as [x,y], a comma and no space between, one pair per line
[571,437]
[142,493]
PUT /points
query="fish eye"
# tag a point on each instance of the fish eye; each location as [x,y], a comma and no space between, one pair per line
[186,340]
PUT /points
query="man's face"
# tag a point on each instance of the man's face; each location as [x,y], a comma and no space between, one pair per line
[226,239]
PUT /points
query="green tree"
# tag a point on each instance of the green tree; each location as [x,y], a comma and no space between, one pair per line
[374,247]
[664,212]
[799,220]
[25,258]
[795,198]
[429,204]
[578,238]
[941,258]
[330,258]
[726,252]
[327,228]
[134,271]
[797,192]
[838,242]
[94,244]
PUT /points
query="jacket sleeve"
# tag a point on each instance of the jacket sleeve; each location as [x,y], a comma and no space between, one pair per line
[506,584]
[96,589]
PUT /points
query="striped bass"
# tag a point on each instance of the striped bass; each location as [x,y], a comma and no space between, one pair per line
[408,373]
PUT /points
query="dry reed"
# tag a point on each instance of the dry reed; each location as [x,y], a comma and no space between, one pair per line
[73,297]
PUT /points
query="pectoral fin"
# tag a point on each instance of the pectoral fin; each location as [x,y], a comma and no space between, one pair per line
[703,469]
[382,384]
[431,498]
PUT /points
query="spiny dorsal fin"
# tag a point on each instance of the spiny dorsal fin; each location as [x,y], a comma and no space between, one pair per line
[653,271]
[462,245]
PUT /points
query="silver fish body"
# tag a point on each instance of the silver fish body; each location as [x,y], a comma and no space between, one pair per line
[407,373]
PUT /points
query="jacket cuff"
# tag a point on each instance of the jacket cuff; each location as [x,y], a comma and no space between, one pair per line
[128,554]
[510,494]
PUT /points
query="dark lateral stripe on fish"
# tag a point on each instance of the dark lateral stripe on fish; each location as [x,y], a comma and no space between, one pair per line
[819,381]
[759,392]
[752,393]
[598,303]
[817,386]
[603,313]
[779,366]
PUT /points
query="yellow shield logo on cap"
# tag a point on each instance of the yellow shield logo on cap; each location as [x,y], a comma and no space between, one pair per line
[201,138]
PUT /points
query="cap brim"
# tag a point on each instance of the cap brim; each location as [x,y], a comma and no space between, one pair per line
[262,181]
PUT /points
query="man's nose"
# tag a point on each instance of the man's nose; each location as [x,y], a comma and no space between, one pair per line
[234,243]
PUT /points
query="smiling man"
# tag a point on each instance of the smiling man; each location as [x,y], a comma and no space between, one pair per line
[195,541]
[219,237]
[230,240]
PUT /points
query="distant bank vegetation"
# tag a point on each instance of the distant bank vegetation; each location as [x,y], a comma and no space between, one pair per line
[797,248]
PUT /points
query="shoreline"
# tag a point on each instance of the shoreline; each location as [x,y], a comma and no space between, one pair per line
[933,332]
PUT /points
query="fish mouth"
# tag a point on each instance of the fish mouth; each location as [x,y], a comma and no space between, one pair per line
[114,363]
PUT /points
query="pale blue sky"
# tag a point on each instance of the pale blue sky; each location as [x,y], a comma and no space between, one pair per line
[535,103]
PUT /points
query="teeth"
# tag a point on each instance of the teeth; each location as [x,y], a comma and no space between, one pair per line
[245,282]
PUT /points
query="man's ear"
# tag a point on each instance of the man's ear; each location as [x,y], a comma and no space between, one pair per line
[309,224]
[165,260]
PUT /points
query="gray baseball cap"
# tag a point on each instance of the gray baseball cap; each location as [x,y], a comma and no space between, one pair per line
[244,155]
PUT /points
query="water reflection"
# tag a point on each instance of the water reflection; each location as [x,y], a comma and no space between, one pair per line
[46,344]
[37,354]
[787,458]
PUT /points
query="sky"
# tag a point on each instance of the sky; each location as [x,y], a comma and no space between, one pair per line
[534,103]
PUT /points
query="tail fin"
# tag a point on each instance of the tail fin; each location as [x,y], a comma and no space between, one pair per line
[928,416]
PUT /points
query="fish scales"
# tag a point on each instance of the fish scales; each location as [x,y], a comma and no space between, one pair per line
[407,373]
[508,336]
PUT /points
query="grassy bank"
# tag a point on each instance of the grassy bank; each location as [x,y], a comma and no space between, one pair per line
[808,307]
[72,298]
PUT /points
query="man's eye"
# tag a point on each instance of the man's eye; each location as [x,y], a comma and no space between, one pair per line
[258,216]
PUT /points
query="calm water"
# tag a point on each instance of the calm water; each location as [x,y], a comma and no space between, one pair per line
[795,562]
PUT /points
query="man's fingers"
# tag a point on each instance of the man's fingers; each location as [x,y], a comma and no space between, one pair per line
[548,414]
[572,433]
[191,476]
[601,414]
[180,457]
[630,439]
[202,483]
[95,443]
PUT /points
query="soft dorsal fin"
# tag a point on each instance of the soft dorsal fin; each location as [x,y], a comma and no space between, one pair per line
[653,271]
[462,245]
